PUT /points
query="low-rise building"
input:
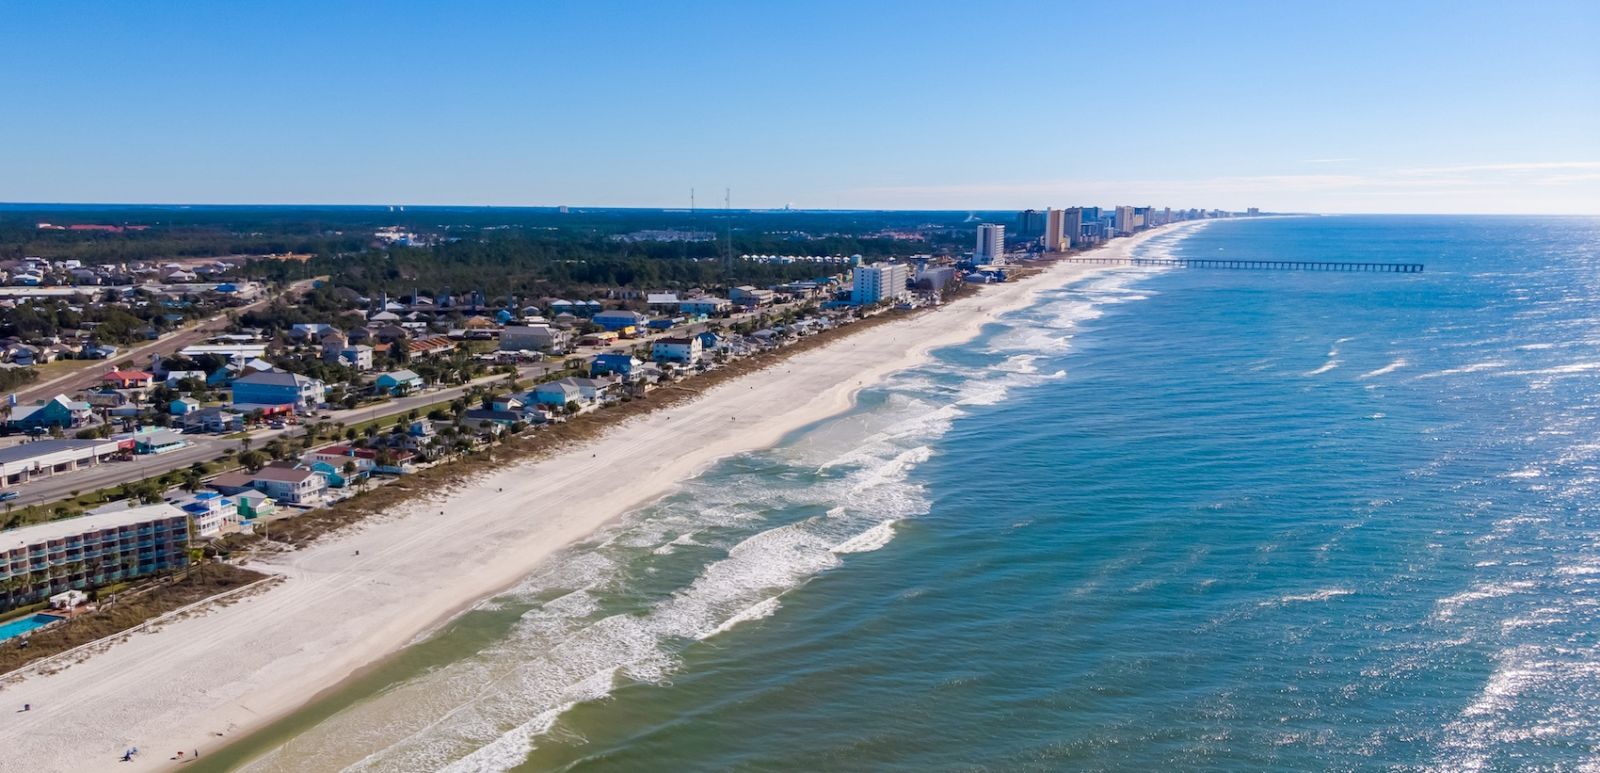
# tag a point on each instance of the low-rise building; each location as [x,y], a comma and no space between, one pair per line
[358,356]
[620,320]
[211,513]
[42,459]
[745,295]
[399,382]
[706,306]
[128,379]
[276,387]
[685,351]
[534,338]
[611,362]
[58,411]
[214,420]
[291,485]
[37,562]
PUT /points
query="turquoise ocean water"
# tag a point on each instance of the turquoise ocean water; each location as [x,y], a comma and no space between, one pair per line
[1194,520]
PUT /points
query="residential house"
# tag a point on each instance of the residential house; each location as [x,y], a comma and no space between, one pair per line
[183,406]
[290,485]
[620,320]
[589,391]
[211,513]
[128,379]
[684,351]
[399,382]
[273,388]
[536,338]
[705,306]
[609,363]
[213,419]
[58,411]
[254,504]
[358,356]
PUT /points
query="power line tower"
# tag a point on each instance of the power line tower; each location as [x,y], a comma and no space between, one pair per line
[727,212]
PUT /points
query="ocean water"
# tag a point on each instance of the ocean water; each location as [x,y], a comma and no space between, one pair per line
[1183,519]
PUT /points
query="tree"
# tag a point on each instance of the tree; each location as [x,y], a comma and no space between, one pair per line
[252,460]
[193,479]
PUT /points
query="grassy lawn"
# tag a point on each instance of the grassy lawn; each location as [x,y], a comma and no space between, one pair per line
[78,503]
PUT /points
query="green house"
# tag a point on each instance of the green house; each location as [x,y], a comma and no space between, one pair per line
[254,504]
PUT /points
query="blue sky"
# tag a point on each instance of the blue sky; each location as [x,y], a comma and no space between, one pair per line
[1332,107]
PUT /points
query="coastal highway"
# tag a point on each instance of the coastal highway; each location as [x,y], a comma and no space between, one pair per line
[204,448]
[89,374]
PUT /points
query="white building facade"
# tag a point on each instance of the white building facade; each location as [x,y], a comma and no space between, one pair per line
[879,283]
[991,246]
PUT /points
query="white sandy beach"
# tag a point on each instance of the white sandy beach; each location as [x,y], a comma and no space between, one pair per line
[237,667]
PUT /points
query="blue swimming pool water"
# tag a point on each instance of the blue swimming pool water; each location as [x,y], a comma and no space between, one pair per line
[30,623]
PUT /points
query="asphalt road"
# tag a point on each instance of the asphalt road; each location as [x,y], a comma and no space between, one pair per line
[89,375]
[208,447]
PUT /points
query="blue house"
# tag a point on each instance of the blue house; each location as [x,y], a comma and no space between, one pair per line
[620,364]
[58,412]
[276,387]
[708,340]
[618,319]
[398,382]
[183,405]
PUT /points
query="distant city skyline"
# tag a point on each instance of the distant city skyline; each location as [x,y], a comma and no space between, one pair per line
[1363,107]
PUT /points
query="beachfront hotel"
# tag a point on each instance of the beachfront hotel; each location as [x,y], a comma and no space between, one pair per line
[991,247]
[878,283]
[37,562]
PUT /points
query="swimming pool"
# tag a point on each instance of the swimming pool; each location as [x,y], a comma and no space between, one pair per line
[24,625]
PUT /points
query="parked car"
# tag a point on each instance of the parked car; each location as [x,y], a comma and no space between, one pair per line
[7,496]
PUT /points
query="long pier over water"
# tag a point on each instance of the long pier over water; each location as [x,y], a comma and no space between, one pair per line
[1258,265]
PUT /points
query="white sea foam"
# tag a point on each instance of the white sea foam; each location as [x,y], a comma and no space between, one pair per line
[869,540]
[1475,367]
[760,610]
[1398,363]
[1319,595]
[1326,366]
[1449,606]
[807,509]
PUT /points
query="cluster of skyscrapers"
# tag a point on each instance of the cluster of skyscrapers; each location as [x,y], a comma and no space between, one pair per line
[1058,230]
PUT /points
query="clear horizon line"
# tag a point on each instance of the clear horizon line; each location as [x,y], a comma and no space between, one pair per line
[167,205]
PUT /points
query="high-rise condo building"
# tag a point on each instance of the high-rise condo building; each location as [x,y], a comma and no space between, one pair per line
[1030,224]
[1072,226]
[879,282]
[1123,221]
[991,244]
[1056,237]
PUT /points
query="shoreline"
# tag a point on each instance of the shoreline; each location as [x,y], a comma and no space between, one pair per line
[336,616]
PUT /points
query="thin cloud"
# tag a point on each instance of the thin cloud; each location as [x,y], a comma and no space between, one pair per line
[1530,166]
[1329,160]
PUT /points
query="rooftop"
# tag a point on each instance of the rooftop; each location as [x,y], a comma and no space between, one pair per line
[23,451]
[68,527]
